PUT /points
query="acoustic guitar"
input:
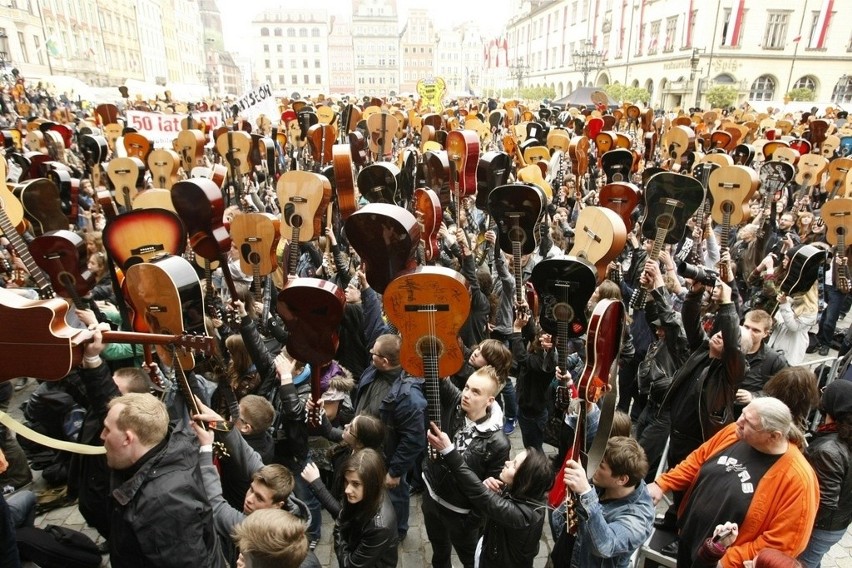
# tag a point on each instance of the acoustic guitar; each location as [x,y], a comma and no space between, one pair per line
[164,164]
[838,175]
[837,215]
[303,197]
[732,188]
[312,309]
[386,238]
[599,237]
[8,202]
[517,209]
[141,235]
[166,298]
[43,285]
[617,165]
[62,256]
[137,146]
[382,127]
[42,205]
[256,236]
[189,144]
[43,346]
[321,139]
[379,182]
[493,170]
[670,199]
[429,307]
[564,287]
[69,189]
[622,198]
[344,182]
[429,212]
[127,176]
[603,348]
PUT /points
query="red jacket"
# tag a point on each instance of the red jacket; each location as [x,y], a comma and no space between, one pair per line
[782,512]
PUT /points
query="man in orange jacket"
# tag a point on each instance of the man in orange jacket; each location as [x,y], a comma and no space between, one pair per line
[750,473]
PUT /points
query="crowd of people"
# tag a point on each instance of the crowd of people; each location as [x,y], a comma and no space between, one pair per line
[234,473]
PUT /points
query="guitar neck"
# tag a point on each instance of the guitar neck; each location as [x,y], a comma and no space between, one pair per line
[45,289]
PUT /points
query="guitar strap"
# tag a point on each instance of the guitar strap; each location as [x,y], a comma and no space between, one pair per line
[38,438]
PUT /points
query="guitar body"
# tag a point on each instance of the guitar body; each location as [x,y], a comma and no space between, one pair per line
[599,237]
[493,170]
[516,208]
[670,200]
[731,188]
[321,138]
[578,151]
[127,176]
[385,237]
[69,189]
[379,182]
[141,235]
[235,146]
[189,144]
[344,183]
[62,256]
[837,215]
[803,270]
[42,205]
[137,146]
[311,309]
[256,236]
[200,205]
[303,197]
[166,296]
[154,199]
[436,170]
[603,347]
[810,168]
[617,164]
[564,287]
[10,204]
[382,127]
[775,175]
[430,215]
[163,164]
[838,175]
[532,174]
[429,307]
[463,150]
[39,344]
[622,198]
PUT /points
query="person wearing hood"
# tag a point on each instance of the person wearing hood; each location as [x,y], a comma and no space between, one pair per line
[474,421]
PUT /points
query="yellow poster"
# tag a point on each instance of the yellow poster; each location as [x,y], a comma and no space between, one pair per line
[431,93]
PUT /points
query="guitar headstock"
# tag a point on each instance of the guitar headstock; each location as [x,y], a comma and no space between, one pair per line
[203,343]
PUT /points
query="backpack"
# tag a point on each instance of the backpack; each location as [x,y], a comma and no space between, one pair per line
[57,547]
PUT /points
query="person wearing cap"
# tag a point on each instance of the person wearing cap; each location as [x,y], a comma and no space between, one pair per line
[830,454]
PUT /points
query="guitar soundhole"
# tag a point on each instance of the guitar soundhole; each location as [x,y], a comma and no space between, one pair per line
[517,234]
[293,219]
[563,312]
[429,346]
[665,222]
[727,207]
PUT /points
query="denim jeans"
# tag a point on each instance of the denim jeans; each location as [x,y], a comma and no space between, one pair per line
[400,496]
[22,507]
[821,541]
[509,400]
[303,492]
[828,320]
[532,428]
[8,545]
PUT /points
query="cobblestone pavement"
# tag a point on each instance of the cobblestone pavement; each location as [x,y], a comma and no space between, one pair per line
[415,551]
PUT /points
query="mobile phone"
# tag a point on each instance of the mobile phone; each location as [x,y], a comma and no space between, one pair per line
[721,535]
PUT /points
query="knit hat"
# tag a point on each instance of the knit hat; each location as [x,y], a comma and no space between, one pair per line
[837,398]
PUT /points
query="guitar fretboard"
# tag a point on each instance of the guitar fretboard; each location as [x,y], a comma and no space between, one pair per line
[45,289]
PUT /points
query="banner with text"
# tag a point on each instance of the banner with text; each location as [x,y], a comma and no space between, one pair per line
[256,102]
[161,129]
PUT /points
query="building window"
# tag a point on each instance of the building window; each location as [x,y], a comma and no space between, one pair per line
[264,32]
[776,30]
[304,63]
[278,32]
[291,32]
[842,92]
[280,48]
[763,89]
[316,63]
[23,43]
[280,79]
[316,48]
[671,30]
[315,32]
[318,79]
[654,38]
[292,48]
[806,82]
[37,43]
[303,32]
[265,48]
[307,79]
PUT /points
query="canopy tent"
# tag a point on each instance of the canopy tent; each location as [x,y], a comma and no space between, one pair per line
[582,97]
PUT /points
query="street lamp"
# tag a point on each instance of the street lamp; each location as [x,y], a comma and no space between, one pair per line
[587,60]
[519,71]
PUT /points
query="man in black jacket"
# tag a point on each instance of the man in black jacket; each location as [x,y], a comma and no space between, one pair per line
[475,422]
[763,362]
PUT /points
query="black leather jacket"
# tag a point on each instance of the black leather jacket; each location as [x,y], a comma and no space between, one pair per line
[373,543]
[512,528]
[484,456]
[665,356]
[832,461]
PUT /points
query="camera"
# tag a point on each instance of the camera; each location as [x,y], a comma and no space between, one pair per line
[697,273]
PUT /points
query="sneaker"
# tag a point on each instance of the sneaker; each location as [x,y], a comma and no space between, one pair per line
[509,426]
[312,545]
[823,350]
